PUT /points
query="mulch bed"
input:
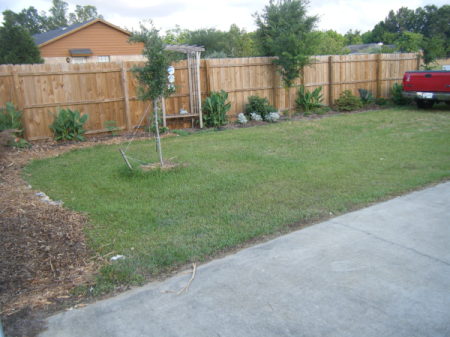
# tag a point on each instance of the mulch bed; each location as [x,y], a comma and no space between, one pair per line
[42,246]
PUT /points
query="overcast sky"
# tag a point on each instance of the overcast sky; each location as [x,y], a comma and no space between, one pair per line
[339,15]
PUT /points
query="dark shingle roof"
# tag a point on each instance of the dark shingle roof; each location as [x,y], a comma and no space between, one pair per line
[50,35]
[368,47]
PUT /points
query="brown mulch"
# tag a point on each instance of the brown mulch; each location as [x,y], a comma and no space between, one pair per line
[42,246]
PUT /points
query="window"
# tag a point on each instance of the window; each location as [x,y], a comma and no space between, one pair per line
[79,59]
[102,58]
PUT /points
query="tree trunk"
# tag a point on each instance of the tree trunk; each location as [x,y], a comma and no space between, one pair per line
[158,139]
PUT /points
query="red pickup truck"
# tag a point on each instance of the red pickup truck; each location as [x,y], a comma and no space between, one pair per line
[427,87]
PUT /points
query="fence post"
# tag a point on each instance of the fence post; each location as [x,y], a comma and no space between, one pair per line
[379,74]
[126,96]
[275,87]
[330,80]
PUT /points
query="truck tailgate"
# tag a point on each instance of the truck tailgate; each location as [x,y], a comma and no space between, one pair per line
[427,81]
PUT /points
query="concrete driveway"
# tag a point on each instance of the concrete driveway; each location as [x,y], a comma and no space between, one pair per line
[380,271]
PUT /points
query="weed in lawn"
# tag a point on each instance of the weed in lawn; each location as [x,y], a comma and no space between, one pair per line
[241,184]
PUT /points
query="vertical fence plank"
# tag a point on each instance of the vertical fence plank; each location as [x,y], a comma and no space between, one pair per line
[330,80]
[379,70]
[19,98]
[126,96]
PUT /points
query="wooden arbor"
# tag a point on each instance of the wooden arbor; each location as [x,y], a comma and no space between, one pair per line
[195,94]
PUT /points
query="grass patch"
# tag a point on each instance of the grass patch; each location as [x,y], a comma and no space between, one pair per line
[241,184]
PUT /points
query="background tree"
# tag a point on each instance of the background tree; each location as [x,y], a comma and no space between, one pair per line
[285,30]
[28,18]
[353,37]
[58,16]
[239,43]
[409,42]
[35,22]
[233,43]
[329,43]
[212,39]
[83,14]
[16,45]
[424,28]
[153,75]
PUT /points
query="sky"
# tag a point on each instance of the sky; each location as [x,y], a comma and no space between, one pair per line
[338,15]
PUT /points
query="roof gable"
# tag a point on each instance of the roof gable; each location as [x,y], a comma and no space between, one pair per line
[43,39]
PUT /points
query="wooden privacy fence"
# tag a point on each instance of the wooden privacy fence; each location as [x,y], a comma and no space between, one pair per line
[108,91]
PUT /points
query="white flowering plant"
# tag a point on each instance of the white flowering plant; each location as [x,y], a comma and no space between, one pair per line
[241,119]
[256,117]
[272,117]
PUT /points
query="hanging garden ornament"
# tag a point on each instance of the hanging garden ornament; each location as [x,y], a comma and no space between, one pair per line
[171,70]
[171,78]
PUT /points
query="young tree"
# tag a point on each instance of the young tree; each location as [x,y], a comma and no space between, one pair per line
[17,45]
[284,30]
[153,75]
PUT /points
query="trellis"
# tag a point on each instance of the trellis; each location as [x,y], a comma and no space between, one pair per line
[195,95]
[193,54]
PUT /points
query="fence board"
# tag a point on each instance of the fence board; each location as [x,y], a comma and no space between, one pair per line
[98,89]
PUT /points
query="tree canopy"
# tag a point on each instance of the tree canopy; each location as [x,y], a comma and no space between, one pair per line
[233,43]
[425,28]
[35,22]
[285,30]
[17,45]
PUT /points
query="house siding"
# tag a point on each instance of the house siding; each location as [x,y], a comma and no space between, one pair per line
[99,37]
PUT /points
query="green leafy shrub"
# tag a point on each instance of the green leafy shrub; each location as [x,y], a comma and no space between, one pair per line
[215,108]
[348,102]
[365,96]
[11,119]
[258,105]
[307,101]
[397,96]
[322,110]
[68,125]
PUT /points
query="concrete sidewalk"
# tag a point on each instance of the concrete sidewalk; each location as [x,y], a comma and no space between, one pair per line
[380,271]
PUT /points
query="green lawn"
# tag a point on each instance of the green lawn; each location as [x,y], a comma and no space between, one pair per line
[241,184]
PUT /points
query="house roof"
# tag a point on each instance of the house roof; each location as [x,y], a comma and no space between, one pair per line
[45,38]
[368,47]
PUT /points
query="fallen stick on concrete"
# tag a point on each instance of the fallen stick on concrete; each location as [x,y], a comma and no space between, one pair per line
[186,287]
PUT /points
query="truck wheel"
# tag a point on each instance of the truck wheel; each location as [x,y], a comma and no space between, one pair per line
[425,104]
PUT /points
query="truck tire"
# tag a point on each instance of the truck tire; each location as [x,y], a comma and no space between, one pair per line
[425,104]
